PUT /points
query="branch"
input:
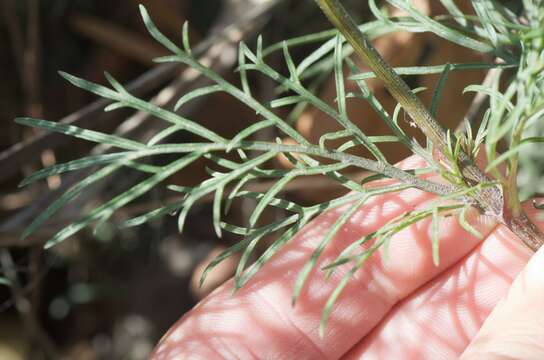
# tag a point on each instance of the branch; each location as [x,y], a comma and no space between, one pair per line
[490,199]
[91,116]
[229,29]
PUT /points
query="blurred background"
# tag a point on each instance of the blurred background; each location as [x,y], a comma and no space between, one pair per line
[111,293]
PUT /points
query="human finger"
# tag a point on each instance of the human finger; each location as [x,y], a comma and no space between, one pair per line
[259,320]
[515,328]
[440,319]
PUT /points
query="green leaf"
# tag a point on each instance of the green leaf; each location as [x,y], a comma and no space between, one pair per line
[80,133]
[156,34]
[285,101]
[99,90]
[185,37]
[253,240]
[243,244]
[161,135]
[340,287]
[243,73]
[115,106]
[203,91]
[331,232]
[270,194]
[279,185]
[435,236]
[157,213]
[332,136]
[434,69]
[293,75]
[438,91]
[513,151]
[466,225]
[236,190]
[68,196]
[210,186]
[82,163]
[455,12]
[272,250]
[122,199]
[378,13]
[442,30]
[249,131]
[236,248]
[490,18]
[115,84]
[378,108]
[495,95]
[217,211]
[148,107]
[279,203]
[260,48]
[339,77]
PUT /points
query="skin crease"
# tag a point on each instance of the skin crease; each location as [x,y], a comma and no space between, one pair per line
[402,308]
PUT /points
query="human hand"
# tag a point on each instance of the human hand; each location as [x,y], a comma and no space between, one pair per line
[402,308]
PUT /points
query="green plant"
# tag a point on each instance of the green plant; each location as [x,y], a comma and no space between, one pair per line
[514,42]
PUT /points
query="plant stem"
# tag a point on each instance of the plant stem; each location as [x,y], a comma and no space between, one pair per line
[511,182]
[490,199]
[398,88]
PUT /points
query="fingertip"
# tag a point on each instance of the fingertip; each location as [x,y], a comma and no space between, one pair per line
[515,328]
[533,275]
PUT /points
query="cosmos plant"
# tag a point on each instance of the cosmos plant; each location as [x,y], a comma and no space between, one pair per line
[513,40]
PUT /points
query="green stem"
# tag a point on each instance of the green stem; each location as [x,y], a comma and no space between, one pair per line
[490,199]
[511,181]
[339,17]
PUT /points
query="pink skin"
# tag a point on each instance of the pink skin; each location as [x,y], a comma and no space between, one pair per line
[402,308]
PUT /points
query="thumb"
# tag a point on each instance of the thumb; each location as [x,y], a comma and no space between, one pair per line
[515,328]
